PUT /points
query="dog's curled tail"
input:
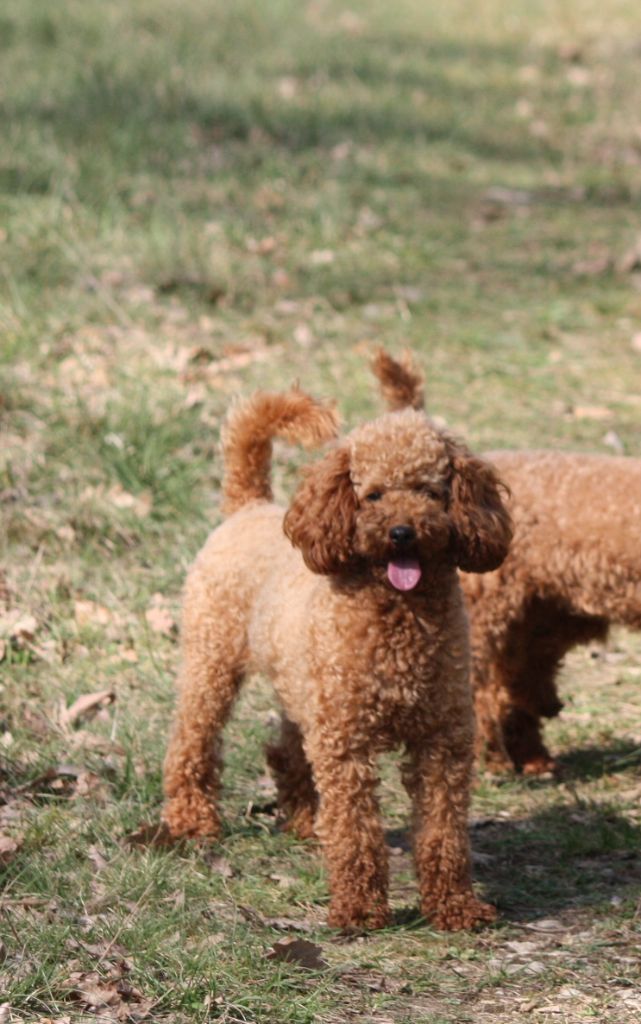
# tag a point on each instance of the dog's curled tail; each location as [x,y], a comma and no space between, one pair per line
[401,382]
[247,440]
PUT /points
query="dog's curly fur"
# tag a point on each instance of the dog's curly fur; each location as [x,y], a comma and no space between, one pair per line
[359,666]
[574,569]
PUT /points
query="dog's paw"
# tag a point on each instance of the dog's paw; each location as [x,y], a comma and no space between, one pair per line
[458,912]
[352,918]
[495,763]
[542,765]
[301,824]
[191,816]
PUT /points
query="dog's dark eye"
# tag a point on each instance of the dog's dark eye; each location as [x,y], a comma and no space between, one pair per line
[373,496]
[431,492]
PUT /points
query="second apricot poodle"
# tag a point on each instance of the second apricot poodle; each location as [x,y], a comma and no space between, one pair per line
[573,570]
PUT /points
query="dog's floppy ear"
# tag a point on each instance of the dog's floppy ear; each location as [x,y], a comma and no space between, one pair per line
[482,525]
[320,519]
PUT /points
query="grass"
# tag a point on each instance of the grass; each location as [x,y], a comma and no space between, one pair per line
[196,203]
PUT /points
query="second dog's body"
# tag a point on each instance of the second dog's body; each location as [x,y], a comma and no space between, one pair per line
[574,569]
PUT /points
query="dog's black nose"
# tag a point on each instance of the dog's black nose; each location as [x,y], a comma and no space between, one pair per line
[402,535]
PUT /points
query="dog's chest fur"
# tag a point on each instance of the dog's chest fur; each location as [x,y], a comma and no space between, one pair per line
[389,664]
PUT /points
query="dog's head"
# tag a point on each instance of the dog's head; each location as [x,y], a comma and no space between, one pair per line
[396,497]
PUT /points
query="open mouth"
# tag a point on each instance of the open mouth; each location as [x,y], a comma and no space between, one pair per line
[404,572]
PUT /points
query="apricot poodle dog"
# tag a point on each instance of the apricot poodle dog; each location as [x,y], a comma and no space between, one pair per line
[350,602]
[573,570]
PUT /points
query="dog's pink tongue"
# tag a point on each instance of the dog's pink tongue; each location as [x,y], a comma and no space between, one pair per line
[403,573]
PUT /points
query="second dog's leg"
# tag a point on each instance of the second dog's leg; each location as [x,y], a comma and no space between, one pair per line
[490,697]
[523,737]
[437,777]
[349,827]
[549,633]
[292,773]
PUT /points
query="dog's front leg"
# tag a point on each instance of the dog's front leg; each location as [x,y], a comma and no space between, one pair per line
[437,777]
[191,778]
[350,830]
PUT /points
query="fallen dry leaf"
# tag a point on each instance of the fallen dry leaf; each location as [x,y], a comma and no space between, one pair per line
[321,257]
[66,533]
[262,246]
[591,412]
[88,613]
[127,654]
[298,951]
[570,50]
[25,628]
[115,997]
[285,881]
[8,848]
[288,87]
[85,705]
[303,336]
[113,953]
[196,394]
[523,108]
[546,924]
[97,859]
[60,780]
[140,504]
[93,993]
[159,616]
[47,651]
[522,948]
[612,439]
[220,865]
[18,627]
[28,902]
[88,784]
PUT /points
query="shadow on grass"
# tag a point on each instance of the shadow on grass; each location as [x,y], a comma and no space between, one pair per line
[373,91]
[132,114]
[593,762]
[126,106]
[562,860]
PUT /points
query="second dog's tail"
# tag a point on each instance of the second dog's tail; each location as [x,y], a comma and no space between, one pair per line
[401,382]
[247,440]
